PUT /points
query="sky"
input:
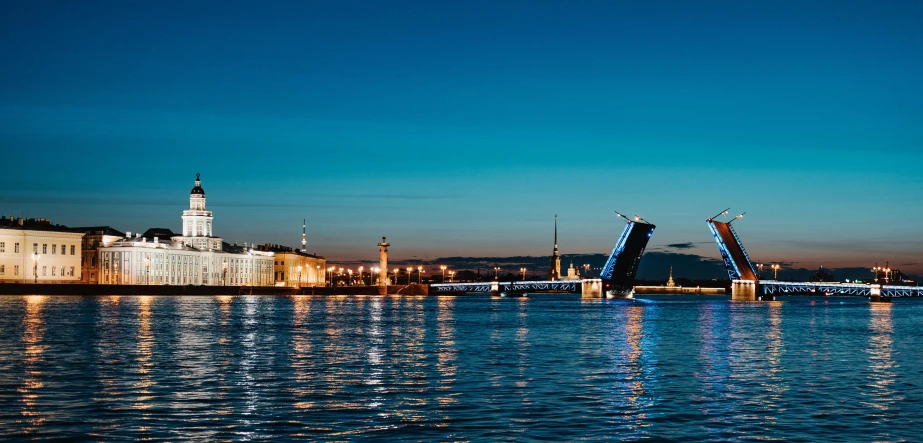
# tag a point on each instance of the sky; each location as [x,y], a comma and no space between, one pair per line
[463,128]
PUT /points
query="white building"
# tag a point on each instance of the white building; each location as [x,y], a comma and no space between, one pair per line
[194,258]
[36,251]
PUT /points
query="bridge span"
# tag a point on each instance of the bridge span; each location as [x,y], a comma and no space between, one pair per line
[591,288]
[772,287]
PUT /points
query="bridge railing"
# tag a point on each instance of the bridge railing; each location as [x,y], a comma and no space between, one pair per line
[780,287]
[520,286]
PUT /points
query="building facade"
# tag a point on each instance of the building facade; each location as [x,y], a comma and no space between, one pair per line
[36,251]
[296,268]
[194,258]
[95,237]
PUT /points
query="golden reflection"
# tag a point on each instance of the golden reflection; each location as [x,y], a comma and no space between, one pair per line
[771,376]
[881,375]
[145,355]
[301,357]
[446,351]
[412,381]
[33,333]
[626,351]
[109,350]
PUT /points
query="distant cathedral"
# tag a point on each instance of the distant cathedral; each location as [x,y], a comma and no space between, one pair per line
[555,272]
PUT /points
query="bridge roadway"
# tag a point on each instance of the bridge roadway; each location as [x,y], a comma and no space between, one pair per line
[772,287]
[574,286]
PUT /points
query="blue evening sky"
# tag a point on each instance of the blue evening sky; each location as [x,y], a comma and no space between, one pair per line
[462,128]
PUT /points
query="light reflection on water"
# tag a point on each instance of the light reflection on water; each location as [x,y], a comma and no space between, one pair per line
[232,368]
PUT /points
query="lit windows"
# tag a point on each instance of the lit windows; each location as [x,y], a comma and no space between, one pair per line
[54,250]
[2,246]
[44,248]
[73,249]
[16,247]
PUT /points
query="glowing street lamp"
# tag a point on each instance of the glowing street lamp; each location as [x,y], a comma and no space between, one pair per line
[409,270]
[451,276]
[419,275]
[775,271]
[523,270]
[496,272]
[116,264]
[224,272]
[443,267]
[298,268]
[395,274]
[361,281]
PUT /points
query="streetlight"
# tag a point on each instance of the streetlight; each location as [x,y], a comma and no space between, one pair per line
[329,274]
[372,273]
[224,272]
[775,271]
[350,272]
[409,270]
[419,275]
[496,272]
[35,257]
[759,268]
[395,274]
[116,264]
[451,276]
[523,270]
[299,275]
[361,281]
[443,267]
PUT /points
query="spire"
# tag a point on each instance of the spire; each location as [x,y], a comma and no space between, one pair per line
[670,282]
[556,232]
[304,235]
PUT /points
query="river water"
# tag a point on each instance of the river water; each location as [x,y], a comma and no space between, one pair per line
[547,367]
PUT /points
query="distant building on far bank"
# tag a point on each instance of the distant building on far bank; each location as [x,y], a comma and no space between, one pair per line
[36,251]
[94,237]
[194,258]
[296,268]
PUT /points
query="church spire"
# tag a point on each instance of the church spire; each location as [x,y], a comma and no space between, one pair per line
[304,235]
[556,234]
[670,282]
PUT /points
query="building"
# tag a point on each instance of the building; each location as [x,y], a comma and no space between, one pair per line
[194,258]
[572,273]
[555,272]
[93,238]
[36,251]
[296,268]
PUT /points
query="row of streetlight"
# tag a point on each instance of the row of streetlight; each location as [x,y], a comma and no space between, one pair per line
[334,273]
[775,270]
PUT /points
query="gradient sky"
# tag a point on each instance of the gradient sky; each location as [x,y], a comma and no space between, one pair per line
[463,128]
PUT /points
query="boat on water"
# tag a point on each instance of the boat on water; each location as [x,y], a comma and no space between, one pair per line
[513,294]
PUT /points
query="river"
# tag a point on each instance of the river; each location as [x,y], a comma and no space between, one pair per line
[542,368]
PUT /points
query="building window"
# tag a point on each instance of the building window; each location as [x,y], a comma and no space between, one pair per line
[63,249]
[2,246]
[72,271]
[44,271]
[44,248]
[35,248]
[2,269]
[73,249]
[16,270]
[16,247]
[54,249]
[54,271]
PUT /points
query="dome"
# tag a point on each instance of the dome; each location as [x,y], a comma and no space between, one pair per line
[198,187]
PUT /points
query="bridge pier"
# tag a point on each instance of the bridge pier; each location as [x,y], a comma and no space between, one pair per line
[875,295]
[494,289]
[591,288]
[746,290]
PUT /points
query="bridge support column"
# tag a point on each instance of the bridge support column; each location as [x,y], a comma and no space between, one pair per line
[744,290]
[592,288]
[494,289]
[875,295]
